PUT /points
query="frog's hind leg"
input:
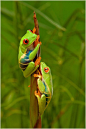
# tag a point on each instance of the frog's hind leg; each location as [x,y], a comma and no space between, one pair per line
[41,102]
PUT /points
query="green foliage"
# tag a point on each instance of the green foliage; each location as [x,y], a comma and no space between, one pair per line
[62,33]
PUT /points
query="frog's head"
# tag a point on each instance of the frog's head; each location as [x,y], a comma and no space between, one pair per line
[45,70]
[27,41]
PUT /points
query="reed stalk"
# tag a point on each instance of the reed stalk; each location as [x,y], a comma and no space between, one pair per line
[35,119]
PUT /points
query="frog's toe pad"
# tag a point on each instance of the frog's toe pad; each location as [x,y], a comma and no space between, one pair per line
[37,62]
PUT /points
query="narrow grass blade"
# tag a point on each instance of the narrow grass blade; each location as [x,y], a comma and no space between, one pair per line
[73,16]
[72,83]
[68,92]
[15,101]
[44,16]
[10,43]
[7,13]
[72,53]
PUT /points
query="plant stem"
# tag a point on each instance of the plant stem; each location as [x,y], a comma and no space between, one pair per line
[33,103]
[35,119]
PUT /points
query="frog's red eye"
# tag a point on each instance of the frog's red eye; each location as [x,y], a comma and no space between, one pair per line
[46,69]
[25,41]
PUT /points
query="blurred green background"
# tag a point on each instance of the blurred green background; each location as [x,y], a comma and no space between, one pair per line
[63,51]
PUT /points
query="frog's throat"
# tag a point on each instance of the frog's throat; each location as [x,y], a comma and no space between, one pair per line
[23,49]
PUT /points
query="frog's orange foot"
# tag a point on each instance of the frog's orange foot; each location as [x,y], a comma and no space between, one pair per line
[36,43]
[37,93]
[36,75]
[40,43]
[37,62]
[29,86]
[38,37]
[34,30]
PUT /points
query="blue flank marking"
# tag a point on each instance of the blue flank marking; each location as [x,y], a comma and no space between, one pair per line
[28,53]
[45,91]
[45,86]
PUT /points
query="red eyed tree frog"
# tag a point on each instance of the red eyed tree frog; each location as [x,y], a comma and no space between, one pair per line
[27,54]
[45,88]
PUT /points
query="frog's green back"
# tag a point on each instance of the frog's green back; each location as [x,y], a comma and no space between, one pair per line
[47,76]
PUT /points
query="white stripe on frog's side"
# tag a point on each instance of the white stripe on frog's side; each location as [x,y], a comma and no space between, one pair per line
[27,59]
[23,56]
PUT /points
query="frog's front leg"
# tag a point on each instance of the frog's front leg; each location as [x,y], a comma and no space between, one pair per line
[32,66]
[34,52]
